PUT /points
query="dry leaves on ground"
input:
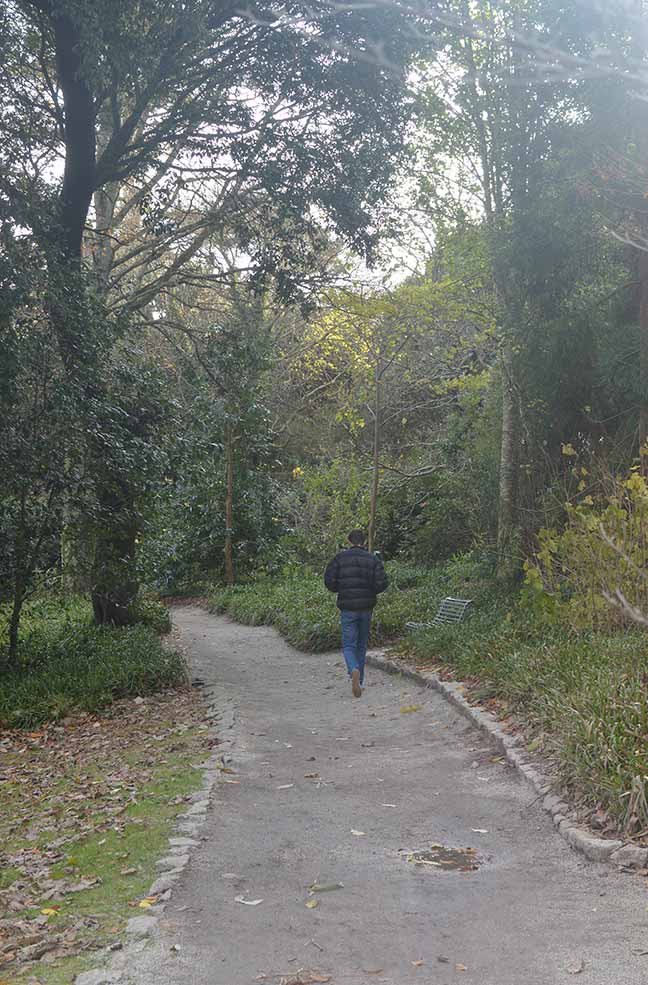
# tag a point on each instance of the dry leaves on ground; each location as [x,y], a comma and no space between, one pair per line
[61,784]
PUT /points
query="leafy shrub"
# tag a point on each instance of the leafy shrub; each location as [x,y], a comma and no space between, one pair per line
[602,549]
[323,504]
[86,668]
[148,611]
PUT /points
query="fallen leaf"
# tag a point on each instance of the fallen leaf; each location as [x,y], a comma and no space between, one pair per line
[247,902]
[286,786]
[128,872]
[390,805]
[358,834]
[372,971]
[48,911]
[460,967]
[328,888]
[479,831]
[443,960]
[409,709]
[312,904]
[147,902]
[311,776]
[418,964]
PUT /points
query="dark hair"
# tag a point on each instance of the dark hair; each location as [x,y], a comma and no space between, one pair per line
[357,538]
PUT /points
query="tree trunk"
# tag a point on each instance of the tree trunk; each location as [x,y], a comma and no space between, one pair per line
[507,560]
[376,462]
[643,360]
[115,585]
[229,505]
[14,619]
[76,542]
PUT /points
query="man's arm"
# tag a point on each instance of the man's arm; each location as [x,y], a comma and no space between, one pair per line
[331,575]
[381,581]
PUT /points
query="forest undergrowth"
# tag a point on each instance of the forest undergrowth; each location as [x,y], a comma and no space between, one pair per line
[66,664]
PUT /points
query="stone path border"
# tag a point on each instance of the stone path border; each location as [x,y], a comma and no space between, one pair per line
[183,839]
[625,855]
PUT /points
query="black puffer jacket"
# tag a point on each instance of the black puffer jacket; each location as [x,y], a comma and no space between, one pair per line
[358,577]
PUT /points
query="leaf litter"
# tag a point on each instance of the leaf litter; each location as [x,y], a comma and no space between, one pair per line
[62,785]
[445,859]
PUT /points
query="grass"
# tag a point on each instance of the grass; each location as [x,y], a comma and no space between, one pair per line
[304,612]
[582,698]
[65,663]
[144,765]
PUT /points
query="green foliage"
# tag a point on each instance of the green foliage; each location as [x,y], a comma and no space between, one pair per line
[304,612]
[321,505]
[65,663]
[602,549]
[150,612]
[186,528]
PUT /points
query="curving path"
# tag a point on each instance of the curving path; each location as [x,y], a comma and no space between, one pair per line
[534,913]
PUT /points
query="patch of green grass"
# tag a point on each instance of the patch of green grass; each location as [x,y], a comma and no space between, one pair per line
[66,664]
[584,697]
[122,860]
[304,612]
[8,876]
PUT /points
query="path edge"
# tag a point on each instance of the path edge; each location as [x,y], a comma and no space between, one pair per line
[625,855]
[183,840]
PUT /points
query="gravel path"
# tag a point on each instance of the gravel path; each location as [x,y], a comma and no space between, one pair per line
[332,790]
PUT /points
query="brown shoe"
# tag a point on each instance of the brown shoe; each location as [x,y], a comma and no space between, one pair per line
[355,684]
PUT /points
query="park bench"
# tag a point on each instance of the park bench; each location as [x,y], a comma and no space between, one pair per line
[450,610]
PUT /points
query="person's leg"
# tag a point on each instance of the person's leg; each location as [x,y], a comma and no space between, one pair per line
[350,623]
[364,626]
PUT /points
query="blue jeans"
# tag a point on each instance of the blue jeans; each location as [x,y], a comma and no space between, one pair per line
[355,636]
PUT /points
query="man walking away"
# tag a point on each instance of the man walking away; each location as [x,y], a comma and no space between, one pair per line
[358,577]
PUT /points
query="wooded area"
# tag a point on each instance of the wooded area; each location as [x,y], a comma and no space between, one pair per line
[270,273]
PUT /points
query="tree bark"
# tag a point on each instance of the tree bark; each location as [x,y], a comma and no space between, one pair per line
[114,581]
[229,505]
[507,561]
[14,621]
[80,137]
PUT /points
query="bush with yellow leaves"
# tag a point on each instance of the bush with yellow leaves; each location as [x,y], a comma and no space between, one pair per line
[600,555]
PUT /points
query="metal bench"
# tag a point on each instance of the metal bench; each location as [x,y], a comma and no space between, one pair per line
[451,610]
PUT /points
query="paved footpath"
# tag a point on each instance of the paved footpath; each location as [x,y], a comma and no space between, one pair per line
[534,913]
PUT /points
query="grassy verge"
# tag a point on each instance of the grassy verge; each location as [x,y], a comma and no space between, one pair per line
[65,663]
[86,809]
[304,612]
[582,699]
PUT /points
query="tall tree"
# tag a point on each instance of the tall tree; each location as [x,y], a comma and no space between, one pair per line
[497,107]
[177,121]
